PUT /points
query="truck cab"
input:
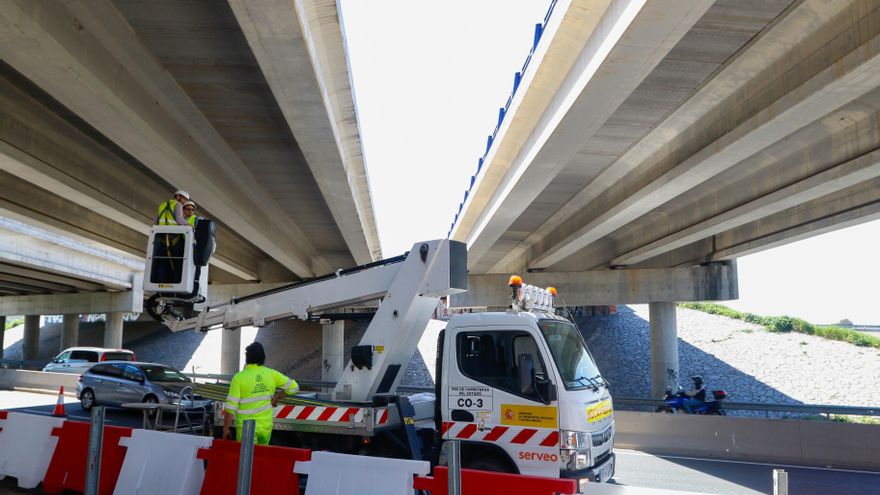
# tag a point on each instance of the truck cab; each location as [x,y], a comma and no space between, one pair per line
[522,393]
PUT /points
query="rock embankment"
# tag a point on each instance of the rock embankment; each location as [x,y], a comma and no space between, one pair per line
[749,362]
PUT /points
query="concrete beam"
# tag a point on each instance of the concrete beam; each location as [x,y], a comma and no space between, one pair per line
[638,286]
[83,302]
[318,106]
[87,57]
[839,211]
[841,82]
[776,53]
[631,39]
[49,277]
[43,249]
[840,177]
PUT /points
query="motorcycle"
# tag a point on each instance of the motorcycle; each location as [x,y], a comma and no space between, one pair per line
[675,403]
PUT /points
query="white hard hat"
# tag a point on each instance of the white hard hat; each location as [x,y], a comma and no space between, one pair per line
[183,193]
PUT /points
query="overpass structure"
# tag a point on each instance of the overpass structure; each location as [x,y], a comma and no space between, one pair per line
[109,106]
[649,143]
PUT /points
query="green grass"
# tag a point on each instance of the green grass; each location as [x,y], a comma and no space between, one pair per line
[14,322]
[785,324]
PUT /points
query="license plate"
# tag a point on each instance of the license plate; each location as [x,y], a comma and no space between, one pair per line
[606,471]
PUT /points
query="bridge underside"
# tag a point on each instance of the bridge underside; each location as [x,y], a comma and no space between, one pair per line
[741,126]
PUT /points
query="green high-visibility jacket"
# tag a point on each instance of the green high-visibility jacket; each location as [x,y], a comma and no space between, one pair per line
[191,220]
[166,213]
[250,397]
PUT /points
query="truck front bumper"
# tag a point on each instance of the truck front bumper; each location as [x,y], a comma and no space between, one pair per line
[599,473]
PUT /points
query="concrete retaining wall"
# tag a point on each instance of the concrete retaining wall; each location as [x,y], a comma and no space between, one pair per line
[784,441]
[10,379]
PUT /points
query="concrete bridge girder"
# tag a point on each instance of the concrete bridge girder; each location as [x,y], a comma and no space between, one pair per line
[120,89]
[599,80]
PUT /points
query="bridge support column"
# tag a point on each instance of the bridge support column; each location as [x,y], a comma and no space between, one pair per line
[2,334]
[332,350]
[230,351]
[31,342]
[113,331]
[70,331]
[664,347]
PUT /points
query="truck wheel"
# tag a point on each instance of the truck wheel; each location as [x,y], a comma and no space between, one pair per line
[488,464]
[665,409]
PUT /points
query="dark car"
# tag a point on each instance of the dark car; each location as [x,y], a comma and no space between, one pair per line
[118,382]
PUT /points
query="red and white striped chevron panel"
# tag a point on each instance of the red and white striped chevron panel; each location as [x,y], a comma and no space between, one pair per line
[319,413]
[501,434]
[381,416]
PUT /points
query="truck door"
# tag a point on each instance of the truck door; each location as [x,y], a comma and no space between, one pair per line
[485,407]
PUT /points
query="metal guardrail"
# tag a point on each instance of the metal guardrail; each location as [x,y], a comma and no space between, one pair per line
[825,409]
[22,364]
[304,384]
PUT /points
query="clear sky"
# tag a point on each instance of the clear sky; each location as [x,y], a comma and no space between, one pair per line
[429,78]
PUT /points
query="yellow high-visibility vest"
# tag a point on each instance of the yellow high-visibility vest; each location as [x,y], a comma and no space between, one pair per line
[250,397]
[166,213]
[191,220]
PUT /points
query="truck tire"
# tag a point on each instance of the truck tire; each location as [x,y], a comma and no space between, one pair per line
[489,464]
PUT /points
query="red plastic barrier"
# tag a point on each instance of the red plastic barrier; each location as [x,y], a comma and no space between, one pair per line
[3,416]
[475,482]
[272,469]
[67,470]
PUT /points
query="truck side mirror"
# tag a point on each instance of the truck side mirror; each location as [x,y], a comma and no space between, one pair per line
[525,365]
[547,391]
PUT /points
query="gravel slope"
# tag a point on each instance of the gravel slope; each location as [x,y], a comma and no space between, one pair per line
[750,363]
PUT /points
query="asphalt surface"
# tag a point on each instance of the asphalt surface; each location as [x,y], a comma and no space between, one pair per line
[635,469]
[727,477]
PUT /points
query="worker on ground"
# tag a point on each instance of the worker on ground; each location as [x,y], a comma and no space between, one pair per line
[252,395]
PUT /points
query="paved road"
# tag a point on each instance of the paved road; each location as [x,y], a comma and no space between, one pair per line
[634,468]
[735,478]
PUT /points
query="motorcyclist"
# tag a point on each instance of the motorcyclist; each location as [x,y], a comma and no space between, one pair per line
[696,395]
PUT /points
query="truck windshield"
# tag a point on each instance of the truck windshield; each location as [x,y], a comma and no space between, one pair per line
[576,365]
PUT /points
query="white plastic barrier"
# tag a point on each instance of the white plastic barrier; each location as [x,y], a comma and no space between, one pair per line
[159,462]
[26,447]
[343,474]
[608,489]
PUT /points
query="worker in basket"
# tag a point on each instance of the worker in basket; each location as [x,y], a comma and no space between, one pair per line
[252,395]
[171,212]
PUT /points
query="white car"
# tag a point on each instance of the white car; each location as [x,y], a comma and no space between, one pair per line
[79,359]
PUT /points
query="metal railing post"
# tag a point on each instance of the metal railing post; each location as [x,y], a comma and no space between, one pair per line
[96,440]
[780,482]
[246,459]
[453,462]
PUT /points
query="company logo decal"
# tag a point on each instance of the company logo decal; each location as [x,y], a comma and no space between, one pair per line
[598,412]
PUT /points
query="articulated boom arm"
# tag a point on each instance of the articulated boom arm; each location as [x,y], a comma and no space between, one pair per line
[408,287]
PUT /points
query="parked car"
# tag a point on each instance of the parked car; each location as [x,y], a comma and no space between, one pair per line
[79,359]
[119,382]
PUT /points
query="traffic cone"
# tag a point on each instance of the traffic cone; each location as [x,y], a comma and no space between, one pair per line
[59,406]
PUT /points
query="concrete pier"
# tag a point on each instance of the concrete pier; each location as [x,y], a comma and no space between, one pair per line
[31,341]
[113,331]
[69,331]
[664,347]
[332,350]
[230,351]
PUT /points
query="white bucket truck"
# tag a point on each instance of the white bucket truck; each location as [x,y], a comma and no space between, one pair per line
[518,388]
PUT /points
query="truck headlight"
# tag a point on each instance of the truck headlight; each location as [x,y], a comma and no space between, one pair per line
[574,449]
